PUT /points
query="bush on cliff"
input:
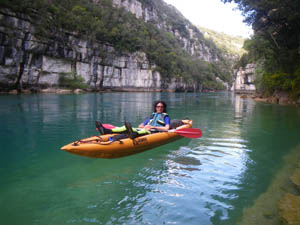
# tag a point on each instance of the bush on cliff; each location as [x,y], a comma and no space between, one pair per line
[281,81]
[72,81]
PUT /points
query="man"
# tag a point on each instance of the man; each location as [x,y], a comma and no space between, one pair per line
[158,121]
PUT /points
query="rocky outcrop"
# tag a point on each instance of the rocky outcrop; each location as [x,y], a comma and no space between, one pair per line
[30,62]
[244,81]
[244,84]
[278,97]
[289,204]
[191,39]
[289,208]
[135,7]
[280,201]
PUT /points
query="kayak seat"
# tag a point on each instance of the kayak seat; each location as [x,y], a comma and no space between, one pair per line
[175,123]
[118,137]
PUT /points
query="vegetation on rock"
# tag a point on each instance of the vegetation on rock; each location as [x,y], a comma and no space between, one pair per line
[231,45]
[100,21]
[72,81]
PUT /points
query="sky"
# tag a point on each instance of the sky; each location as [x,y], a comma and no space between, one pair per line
[213,14]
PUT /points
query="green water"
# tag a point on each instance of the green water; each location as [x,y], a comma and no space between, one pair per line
[204,181]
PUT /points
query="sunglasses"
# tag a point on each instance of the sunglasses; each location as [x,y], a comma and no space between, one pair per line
[159,106]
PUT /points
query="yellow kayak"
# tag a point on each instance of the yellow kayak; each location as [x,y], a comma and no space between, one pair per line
[101,147]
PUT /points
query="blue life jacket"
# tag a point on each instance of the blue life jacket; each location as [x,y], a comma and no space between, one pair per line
[157,119]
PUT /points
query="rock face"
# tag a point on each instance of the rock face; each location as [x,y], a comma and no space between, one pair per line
[244,82]
[190,40]
[289,208]
[28,62]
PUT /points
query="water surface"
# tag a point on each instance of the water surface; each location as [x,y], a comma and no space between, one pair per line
[204,181]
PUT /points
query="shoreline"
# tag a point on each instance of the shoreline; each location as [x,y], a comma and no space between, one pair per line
[55,90]
[70,91]
[279,98]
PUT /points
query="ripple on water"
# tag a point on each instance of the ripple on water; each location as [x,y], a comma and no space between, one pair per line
[218,163]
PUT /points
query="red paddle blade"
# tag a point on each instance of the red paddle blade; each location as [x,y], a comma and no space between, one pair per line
[189,132]
[108,126]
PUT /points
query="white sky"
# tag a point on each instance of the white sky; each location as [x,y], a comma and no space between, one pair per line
[213,14]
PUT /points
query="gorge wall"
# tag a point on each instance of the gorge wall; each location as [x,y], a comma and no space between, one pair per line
[30,62]
[191,39]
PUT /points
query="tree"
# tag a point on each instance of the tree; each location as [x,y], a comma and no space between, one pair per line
[275,42]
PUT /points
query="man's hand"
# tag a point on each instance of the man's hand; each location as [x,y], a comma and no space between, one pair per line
[148,127]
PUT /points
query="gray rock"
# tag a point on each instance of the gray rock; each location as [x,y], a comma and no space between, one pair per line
[40,61]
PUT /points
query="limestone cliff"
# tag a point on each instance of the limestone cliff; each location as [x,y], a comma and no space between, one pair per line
[28,62]
[244,81]
[32,62]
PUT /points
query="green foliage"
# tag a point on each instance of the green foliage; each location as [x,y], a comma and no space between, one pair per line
[232,45]
[243,61]
[283,82]
[277,81]
[72,81]
[261,49]
[211,86]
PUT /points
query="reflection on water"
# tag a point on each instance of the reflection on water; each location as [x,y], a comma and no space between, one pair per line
[192,181]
